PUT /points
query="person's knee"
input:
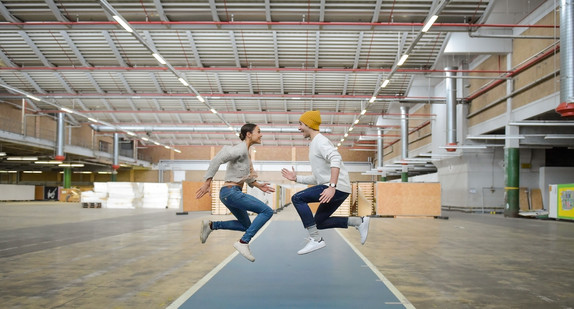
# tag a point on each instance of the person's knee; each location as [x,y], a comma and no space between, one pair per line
[268,212]
[296,198]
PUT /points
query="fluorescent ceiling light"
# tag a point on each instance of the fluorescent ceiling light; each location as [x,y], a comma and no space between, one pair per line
[373,98]
[71,165]
[429,23]
[145,139]
[159,58]
[200,99]
[21,158]
[363,112]
[559,136]
[32,172]
[464,147]
[177,150]
[402,60]
[33,97]
[385,83]
[183,81]
[356,121]
[48,162]
[123,23]
[2,154]
[131,133]
[213,110]
[8,172]
[92,119]
[495,137]
[67,110]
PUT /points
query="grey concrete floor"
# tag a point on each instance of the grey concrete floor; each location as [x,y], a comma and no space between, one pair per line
[55,255]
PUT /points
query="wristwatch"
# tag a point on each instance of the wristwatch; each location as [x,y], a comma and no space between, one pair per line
[333,185]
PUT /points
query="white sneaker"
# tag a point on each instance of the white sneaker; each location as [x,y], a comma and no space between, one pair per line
[364,229]
[204,231]
[244,250]
[312,245]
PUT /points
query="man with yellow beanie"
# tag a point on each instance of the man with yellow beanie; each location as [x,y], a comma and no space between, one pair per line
[332,186]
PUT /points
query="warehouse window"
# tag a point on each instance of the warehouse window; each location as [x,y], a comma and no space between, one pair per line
[104,146]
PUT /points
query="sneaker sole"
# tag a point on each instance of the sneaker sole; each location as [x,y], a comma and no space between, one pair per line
[368,224]
[201,233]
[321,247]
[250,259]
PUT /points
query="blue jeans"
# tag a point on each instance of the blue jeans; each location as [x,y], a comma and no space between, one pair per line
[322,218]
[239,203]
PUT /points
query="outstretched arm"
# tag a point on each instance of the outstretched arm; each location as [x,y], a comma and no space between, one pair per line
[204,189]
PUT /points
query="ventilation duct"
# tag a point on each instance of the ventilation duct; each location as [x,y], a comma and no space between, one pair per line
[566,107]
[116,163]
[203,129]
[379,150]
[405,131]
[450,107]
[60,138]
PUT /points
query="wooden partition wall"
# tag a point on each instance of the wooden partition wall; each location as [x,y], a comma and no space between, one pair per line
[408,199]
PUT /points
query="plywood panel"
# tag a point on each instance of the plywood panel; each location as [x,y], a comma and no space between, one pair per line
[190,203]
[536,199]
[523,199]
[408,199]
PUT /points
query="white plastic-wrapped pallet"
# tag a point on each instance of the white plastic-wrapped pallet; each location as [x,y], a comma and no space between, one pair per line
[98,195]
[124,195]
[174,195]
[155,195]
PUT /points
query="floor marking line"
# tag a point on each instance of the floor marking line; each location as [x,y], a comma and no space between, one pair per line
[374,269]
[187,294]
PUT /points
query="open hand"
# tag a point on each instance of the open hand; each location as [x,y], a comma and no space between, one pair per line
[289,174]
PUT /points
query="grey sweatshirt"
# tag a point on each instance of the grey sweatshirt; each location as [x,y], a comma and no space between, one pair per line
[239,167]
[323,156]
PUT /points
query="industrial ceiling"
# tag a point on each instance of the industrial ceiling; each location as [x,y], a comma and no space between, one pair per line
[222,63]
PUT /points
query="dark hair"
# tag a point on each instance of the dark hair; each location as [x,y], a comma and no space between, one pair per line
[246,128]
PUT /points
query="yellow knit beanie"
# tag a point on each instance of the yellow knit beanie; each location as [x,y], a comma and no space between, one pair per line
[312,119]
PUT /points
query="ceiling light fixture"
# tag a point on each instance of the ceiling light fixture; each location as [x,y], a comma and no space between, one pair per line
[385,83]
[429,23]
[183,81]
[123,23]
[21,158]
[159,58]
[71,165]
[402,60]
[33,97]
